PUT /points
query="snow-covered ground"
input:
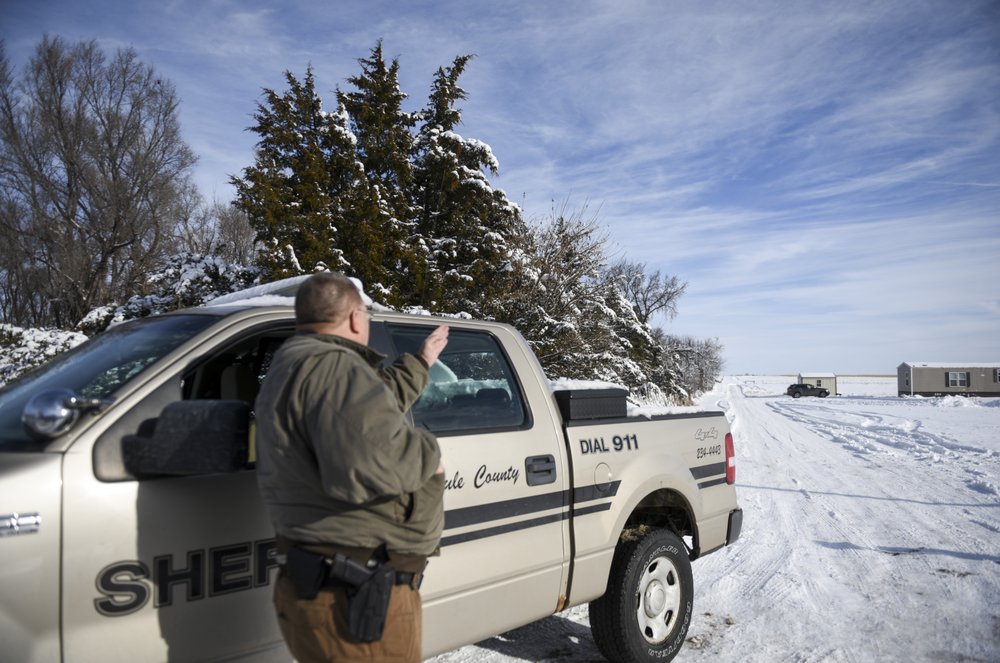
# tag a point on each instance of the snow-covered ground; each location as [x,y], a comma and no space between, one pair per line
[871,533]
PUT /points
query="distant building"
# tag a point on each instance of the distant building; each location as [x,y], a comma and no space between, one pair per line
[826,380]
[923,378]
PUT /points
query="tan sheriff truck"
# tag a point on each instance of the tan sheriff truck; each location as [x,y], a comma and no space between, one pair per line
[131,528]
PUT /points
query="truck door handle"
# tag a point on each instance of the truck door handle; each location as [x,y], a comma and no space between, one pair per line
[540,470]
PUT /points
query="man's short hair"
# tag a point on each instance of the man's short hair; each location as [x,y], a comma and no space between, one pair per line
[326,297]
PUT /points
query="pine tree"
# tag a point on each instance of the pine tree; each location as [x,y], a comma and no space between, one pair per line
[577,313]
[465,223]
[635,354]
[294,193]
[384,145]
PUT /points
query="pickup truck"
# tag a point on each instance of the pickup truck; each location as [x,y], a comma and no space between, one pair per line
[799,390]
[131,528]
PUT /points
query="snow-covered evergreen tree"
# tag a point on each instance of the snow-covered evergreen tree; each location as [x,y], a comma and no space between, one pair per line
[304,172]
[464,224]
[384,145]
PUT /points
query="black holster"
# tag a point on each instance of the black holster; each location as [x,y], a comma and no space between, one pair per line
[368,604]
[368,588]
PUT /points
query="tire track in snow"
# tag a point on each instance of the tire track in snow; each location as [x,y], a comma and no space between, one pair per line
[866,432]
[785,514]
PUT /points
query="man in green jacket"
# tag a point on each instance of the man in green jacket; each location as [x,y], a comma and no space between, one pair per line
[354,492]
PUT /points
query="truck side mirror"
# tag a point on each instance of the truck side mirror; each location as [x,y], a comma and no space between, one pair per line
[51,413]
[192,438]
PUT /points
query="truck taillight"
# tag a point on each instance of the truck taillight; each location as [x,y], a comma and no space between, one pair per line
[730,460]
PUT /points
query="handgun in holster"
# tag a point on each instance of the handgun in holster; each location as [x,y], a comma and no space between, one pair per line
[368,587]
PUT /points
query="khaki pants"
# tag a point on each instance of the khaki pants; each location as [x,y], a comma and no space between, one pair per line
[316,631]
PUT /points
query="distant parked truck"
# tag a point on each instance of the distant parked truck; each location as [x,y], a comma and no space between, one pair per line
[826,381]
[798,390]
[920,378]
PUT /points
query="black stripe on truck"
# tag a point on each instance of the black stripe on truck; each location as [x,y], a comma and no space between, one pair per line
[486,513]
[705,471]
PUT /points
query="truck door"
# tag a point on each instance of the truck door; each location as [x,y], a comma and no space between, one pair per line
[170,568]
[503,551]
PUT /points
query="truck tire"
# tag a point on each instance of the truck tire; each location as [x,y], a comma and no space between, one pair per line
[796,394]
[645,613]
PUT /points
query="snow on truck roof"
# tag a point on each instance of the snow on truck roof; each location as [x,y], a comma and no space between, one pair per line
[276,293]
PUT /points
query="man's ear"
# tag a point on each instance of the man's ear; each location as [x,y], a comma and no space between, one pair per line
[354,321]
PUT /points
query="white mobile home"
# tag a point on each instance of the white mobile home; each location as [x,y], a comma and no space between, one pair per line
[922,378]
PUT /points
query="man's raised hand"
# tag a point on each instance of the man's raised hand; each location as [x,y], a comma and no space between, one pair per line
[433,345]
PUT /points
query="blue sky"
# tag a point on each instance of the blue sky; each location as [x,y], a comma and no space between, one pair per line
[825,175]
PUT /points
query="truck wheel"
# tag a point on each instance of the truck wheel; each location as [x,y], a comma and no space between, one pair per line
[645,613]
[796,394]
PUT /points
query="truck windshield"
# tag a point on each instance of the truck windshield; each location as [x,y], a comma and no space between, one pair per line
[96,368]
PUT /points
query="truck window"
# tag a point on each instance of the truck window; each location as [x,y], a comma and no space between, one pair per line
[472,387]
[96,368]
[232,370]
[236,372]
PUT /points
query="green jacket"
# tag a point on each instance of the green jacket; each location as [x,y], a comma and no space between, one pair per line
[337,461]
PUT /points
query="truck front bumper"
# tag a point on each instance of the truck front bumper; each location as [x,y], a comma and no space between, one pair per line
[735,526]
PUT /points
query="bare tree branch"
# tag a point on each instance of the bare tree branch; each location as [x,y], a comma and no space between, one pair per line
[93,171]
[649,294]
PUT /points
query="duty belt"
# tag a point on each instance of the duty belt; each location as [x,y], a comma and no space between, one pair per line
[339,569]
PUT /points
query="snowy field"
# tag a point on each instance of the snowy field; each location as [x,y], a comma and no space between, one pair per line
[871,534]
